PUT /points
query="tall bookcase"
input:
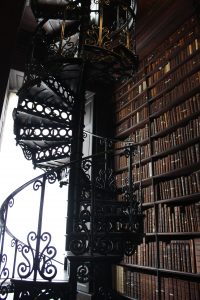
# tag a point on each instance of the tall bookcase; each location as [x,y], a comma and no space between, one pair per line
[159,109]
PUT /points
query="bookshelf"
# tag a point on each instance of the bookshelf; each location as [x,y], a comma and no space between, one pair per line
[159,109]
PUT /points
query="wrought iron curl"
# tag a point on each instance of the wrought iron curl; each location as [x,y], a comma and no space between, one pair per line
[37,184]
[86,164]
[4,291]
[4,273]
[85,213]
[51,177]
[26,151]
[46,269]
[15,242]
[106,179]
[25,269]
[104,245]
[83,273]
[11,202]
[78,246]
[129,247]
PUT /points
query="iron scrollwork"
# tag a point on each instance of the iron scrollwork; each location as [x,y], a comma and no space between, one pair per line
[84,273]
[4,275]
[41,264]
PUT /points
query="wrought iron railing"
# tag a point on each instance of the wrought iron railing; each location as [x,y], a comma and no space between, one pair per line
[107,219]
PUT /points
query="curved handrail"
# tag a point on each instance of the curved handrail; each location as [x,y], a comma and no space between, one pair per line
[5,204]
[44,257]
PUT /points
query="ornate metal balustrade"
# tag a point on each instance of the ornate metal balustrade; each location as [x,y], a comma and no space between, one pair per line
[104,227]
[78,46]
[35,258]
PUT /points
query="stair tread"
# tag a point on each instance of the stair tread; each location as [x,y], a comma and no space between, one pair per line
[47,92]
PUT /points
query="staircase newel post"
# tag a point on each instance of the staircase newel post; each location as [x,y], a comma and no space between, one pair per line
[39,229]
[76,156]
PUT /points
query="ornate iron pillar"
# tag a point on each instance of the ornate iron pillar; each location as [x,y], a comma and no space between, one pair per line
[76,155]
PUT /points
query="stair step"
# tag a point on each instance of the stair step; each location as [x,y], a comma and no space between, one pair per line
[50,92]
[45,153]
[45,133]
[39,113]
[52,164]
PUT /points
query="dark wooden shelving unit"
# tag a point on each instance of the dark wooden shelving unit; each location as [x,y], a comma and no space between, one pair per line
[167,261]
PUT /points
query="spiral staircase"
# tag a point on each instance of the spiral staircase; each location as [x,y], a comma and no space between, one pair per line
[78,46]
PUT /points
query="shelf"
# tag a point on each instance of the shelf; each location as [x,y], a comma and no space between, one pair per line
[170,136]
[179,200]
[132,128]
[152,270]
[173,69]
[174,235]
[167,89]
[177,125]
[175,148]
[170,45]
[131,113]
[175,102]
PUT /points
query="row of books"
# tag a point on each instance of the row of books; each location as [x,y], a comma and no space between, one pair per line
[174,77]
[135,285]
[179,90]
[189,42]
[180,159]
[134,119]
[145,254]
[139,116]
[125,100]
[184,218]
[138,174]
[138,135]
[176,114]
[143,195]
[178,187]
[173,44]
[127,105]
[191,105]
[141,286]
[180,136]
[177,255]
[130,91]
[173,288]
[149,220]
[124,88]
[180,255]
[175,61]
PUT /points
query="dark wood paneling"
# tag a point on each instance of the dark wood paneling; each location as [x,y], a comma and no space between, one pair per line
[158,21]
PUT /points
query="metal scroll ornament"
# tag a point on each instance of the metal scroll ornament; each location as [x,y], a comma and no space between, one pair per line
[4,275]
[83,272]
[42,263]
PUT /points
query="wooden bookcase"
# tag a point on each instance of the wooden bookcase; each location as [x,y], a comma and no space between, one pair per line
[160,110]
